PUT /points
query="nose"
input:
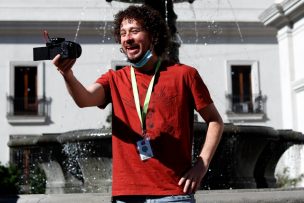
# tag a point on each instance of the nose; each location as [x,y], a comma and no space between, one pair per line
[129,40]
[127,37]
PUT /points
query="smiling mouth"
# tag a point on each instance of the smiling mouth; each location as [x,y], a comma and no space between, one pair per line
[132,49]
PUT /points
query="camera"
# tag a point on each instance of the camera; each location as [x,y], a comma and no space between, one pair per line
[54,46]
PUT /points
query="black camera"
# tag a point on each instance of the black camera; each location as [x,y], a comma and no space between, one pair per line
[54,46]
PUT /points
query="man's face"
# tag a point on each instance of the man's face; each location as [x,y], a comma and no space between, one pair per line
[135,41]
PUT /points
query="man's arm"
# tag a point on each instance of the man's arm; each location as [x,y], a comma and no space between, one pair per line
[92,95]
[191,180]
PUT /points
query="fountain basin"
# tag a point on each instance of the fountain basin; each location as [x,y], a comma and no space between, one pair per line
[246,158]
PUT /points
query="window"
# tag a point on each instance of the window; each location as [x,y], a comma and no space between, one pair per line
[26,101]
[245,101]
[241,88]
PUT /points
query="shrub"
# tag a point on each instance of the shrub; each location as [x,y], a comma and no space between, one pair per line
[9,180]
[284,180]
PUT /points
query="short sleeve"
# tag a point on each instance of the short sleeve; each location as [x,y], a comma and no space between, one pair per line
[199,91]
[104,80]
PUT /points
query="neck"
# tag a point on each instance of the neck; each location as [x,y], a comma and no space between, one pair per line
[149,66]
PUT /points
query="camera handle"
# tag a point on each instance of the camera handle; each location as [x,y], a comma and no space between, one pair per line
[46,36]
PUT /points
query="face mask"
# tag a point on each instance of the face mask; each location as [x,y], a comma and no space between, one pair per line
[143,60]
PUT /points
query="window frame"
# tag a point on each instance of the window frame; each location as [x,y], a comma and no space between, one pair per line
[27,119]
[255,91]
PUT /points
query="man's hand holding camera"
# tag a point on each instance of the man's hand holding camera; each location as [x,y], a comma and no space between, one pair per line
[64,66]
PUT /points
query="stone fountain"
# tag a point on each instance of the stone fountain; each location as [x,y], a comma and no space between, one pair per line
[72,162]
[247,156]
[80,161]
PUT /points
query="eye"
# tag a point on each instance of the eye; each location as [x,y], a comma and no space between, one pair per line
[135,31]
[122,33]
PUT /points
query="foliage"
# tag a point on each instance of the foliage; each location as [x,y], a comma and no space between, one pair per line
[9,176]
[12,180]
[37,181]
[284,180]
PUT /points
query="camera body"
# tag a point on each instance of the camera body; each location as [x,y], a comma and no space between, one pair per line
[54,46]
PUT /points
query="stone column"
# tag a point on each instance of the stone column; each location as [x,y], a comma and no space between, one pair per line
[285,41]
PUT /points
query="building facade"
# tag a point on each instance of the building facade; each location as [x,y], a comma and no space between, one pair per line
[237,56]
[288,18]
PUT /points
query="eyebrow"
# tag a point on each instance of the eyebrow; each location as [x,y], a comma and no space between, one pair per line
[132,28]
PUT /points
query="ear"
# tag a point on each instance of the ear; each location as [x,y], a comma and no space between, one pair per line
[122,51]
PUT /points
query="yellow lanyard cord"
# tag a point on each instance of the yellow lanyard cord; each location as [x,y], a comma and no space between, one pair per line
[142,115]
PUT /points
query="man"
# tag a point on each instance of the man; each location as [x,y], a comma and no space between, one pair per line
[153,103]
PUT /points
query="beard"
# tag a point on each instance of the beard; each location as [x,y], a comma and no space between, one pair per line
[137,59]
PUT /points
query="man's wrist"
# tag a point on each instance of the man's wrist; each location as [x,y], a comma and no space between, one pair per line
[67,75]
[202,160]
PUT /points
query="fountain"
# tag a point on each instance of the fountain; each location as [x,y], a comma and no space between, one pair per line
[80,161]
[77,161]
[246,156]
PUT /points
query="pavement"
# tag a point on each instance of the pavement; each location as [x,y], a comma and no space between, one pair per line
[295,195]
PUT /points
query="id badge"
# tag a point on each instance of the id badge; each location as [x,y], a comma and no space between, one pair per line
[144,149]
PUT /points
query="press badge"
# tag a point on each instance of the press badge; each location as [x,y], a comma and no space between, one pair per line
[144,149]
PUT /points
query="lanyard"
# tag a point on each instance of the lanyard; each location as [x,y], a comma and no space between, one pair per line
[142,115]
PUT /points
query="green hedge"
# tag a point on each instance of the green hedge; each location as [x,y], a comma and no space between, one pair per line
[9,177]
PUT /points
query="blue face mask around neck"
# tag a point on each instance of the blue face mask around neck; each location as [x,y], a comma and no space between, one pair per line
[143,60]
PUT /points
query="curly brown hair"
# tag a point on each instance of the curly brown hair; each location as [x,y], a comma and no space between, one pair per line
[150,20]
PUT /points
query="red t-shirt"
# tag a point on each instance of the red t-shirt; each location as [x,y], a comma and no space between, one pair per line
[178,90]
